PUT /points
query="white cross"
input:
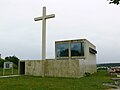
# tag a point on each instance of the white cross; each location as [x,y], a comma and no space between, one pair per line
[43,18]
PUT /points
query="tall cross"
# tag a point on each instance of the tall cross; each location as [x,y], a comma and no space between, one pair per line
[43,18]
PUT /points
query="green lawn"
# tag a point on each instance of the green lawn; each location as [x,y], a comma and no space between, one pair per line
[8,71]
[92,82]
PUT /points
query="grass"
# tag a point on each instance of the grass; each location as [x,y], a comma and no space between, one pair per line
[92,82]
[8,72]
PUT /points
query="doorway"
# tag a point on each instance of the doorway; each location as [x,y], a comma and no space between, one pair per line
[22,68]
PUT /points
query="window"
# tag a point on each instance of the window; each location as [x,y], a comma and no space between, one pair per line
[69,49]
[62,50]
[77,49]
[7,65]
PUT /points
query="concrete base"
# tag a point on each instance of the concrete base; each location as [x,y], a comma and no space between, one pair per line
[59,68]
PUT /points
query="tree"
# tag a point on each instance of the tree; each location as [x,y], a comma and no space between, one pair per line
[13,59]
[1,62]
[114,2]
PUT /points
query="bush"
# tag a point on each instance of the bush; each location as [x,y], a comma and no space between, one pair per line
[87,74]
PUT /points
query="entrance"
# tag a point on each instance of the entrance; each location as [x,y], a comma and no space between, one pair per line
[22,67]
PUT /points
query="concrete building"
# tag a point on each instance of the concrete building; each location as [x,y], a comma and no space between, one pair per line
[73,58]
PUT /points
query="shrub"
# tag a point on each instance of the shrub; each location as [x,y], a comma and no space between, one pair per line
[87,74]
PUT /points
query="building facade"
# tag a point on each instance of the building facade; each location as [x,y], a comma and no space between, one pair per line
[73,58]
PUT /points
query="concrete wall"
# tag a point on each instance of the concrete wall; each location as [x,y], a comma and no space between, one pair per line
[34,67]
[57,68]
[90,59]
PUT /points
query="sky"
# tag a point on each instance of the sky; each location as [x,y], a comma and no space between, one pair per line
[95,20]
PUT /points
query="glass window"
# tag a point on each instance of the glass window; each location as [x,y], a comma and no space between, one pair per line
[77,49]
[62,50]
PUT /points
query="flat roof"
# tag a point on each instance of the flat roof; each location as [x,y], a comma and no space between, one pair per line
[74,40]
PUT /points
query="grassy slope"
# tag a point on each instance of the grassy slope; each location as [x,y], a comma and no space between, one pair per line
[93,82]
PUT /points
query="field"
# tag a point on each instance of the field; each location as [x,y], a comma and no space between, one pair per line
[92,82]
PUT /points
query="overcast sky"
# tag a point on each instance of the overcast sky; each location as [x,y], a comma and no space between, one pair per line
[95,20]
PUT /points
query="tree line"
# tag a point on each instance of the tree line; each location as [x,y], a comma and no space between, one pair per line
[13,59]
[114,2]
[109,65]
